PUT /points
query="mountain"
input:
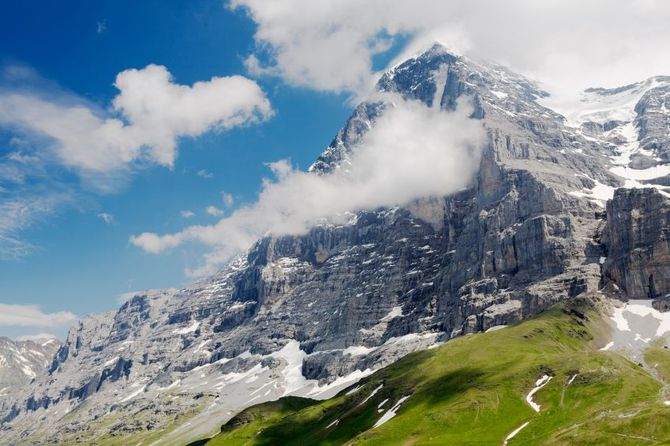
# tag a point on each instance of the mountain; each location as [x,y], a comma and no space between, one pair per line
[564,205]
[22,361]
[543,381]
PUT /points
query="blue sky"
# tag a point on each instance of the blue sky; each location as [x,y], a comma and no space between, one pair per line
[78,262]
[121,122]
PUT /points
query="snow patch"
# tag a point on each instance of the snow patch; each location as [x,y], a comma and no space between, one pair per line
[394,313]
[357,350]
[373,393]
[292,373]
[607,347]
[391,412]
[495,328]
[515,432]
[538,385]
[190,329]
[134,394]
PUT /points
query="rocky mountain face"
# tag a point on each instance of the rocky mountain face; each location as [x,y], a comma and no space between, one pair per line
[563,204]
[22,361]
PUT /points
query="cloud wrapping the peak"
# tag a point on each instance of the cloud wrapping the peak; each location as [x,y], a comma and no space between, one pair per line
[148,116]
[411,152]
[569,44]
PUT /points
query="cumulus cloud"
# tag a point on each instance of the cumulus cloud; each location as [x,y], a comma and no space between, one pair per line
[213,211]
[51,128]
[228,199]
[148,116]
[15,315]
[411,152]
[567,44]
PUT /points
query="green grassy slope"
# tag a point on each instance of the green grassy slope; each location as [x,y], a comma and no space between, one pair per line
[472,390]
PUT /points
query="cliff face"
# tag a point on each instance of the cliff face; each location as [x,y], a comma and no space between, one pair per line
[308,315]
[638,226]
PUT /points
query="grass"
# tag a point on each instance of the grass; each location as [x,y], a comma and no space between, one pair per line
[472,390]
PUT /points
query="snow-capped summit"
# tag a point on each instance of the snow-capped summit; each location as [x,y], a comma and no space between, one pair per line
[547,218]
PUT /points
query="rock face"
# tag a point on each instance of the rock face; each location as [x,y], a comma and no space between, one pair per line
[308,315]
[22,361]
[638,226]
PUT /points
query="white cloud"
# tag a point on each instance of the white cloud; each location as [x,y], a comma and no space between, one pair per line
[14,315]
[187,213]
[228,199]
[50,128]
[107,218]
[203,173]
[147,117]
[412,152]
[568,44]
[213,211]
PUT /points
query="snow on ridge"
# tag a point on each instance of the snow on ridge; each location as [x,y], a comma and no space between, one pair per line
[601,105]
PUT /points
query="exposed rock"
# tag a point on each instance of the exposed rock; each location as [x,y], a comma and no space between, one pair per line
[307,315]
[662,305]
[636,235]
[22,361]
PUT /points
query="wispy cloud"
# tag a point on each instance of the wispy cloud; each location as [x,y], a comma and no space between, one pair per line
[107,218]
[228,199]
[203,173]
[101,27]
[412,152]
[23,207]
[187,214]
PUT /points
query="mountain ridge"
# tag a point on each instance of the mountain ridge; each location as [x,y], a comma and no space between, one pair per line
[308,315]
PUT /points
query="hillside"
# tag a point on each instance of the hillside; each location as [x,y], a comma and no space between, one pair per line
[561,206]
[473,391]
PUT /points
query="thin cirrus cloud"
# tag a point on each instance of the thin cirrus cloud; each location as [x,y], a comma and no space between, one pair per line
[412,152]
[568,44]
